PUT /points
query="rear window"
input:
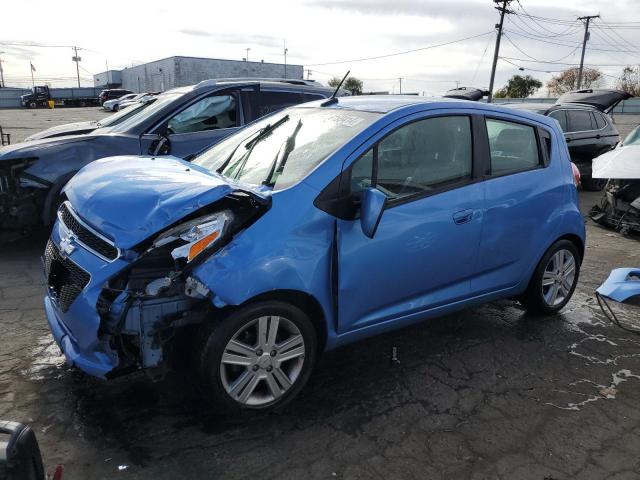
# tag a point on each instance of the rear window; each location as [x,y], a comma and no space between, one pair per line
[580,120]
[269,102]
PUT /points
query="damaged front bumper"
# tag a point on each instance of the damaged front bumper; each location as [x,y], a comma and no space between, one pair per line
[103,323]
[22,196]
[619,207]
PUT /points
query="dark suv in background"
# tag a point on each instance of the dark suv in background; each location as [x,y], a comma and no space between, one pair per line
[588,129]
[112,93]
[180,122]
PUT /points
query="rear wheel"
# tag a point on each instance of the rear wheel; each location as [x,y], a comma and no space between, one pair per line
[259,357]
[554,279]
[33,105]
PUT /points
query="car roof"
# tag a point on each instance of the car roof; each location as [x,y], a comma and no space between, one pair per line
[275,83]
[547,107]
[407,104]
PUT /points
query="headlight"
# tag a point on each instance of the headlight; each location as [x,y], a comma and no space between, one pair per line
[198,234]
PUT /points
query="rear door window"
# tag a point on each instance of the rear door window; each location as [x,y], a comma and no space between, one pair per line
[513,146]
[580,120]
[561,117]
[269,102]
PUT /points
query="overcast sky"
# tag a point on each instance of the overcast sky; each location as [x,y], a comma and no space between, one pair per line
[316,32]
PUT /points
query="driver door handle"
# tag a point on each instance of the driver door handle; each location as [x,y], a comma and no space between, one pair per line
[463,216]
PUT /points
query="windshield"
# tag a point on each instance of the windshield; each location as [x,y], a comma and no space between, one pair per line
[159,103]
[633,138]
[281,149]
[123,114]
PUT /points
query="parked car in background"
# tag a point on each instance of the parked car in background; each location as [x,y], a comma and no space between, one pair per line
[81,128]
[111,94]
[132,101]
[589,130]
[114,104]
[311,228]
[619,207]
[180,122]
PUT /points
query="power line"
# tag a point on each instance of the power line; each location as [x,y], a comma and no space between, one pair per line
[567,45]
[400,53]
[565,63]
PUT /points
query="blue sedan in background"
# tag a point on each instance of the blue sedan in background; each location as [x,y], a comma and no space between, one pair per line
[311,228]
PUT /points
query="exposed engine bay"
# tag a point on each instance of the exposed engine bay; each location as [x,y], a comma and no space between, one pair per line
[619,207]
[145,308]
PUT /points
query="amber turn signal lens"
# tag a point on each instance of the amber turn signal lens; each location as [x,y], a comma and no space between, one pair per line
[201,244]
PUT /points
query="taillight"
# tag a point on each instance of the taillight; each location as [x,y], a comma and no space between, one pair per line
[576,175]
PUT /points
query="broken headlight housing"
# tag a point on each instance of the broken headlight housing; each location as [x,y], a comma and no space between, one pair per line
[195,236]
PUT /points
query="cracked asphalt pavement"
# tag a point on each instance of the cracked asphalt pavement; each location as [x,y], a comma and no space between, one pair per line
[487,393]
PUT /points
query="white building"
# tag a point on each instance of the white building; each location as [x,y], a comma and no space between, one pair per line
[172,72]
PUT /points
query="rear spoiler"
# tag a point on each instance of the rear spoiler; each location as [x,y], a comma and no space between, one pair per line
[466,93]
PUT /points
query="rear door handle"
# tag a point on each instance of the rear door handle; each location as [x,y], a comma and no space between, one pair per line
[463,216]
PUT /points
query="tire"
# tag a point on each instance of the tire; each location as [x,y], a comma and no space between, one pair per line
[251,377]
[33,105]
[540,298]
[593,184]
[82,103]
[116,107]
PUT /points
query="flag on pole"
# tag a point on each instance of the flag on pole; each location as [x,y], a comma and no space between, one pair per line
[33,69]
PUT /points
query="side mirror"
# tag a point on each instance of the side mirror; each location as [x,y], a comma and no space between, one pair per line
[371,208]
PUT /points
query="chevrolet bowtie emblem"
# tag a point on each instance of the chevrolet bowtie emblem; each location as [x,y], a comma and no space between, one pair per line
[67,246]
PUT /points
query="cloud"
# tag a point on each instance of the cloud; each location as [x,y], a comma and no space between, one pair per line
[234,38]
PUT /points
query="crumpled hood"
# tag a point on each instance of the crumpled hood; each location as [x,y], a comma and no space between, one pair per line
[66,129]
[130,198]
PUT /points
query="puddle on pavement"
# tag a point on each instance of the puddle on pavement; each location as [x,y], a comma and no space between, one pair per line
[46,360]
[600,392]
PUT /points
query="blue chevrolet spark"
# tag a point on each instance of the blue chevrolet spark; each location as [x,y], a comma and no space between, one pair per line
[311,228]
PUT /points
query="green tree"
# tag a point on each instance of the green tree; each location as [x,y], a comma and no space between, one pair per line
[351,84]
[519,87]
[568,80]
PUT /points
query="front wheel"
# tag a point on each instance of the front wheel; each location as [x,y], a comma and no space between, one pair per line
[259,357]
[554,279]
[116,108]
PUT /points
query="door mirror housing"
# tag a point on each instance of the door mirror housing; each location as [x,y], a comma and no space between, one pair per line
[371,209]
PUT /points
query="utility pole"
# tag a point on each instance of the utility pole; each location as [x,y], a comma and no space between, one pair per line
[1,73]
[284,43]
[503,10]
[587,19]
[247,57]
[400,79]
[77,59]
[308,73]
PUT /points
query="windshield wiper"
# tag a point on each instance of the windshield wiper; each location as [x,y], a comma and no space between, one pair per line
[261,134]
[265,132]
[289,144]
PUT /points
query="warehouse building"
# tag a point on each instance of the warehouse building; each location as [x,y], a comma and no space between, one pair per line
[174,72]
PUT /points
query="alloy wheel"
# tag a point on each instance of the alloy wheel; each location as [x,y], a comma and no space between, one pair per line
[558,278]
[262,360]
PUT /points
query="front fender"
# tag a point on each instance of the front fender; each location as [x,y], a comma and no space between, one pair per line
[288,248]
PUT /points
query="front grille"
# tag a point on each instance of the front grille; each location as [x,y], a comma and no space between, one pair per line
[86,237]
[65,279]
